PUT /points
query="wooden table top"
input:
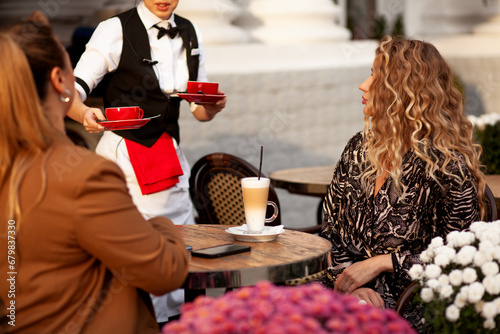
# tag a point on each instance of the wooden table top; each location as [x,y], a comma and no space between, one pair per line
[312,181]
[292,255]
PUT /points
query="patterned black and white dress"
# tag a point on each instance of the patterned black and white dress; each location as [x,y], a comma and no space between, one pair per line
[360,225]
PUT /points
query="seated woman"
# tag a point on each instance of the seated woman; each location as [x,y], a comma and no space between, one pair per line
[81,257]
[411,175]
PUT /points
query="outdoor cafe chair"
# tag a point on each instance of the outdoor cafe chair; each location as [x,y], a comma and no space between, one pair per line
[215,189]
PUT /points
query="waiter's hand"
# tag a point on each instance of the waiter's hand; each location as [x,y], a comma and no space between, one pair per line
[86,115]
[207,112]
[90,116]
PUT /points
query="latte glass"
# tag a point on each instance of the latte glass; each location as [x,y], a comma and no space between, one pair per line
[255,193]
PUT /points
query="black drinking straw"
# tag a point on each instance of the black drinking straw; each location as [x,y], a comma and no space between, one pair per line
[260,164]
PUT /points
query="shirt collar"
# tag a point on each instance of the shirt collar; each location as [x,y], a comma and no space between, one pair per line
[149,19]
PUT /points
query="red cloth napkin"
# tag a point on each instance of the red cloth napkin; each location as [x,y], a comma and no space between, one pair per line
[157,167]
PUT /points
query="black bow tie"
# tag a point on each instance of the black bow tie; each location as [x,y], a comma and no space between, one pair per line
[171,32]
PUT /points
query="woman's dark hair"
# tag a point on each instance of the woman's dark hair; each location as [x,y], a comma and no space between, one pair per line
[44,52]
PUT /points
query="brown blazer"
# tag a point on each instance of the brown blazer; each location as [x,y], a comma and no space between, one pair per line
[84,257]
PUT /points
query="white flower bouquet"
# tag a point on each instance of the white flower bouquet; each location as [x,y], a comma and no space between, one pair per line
[487,133]
[486,119]
[459,282]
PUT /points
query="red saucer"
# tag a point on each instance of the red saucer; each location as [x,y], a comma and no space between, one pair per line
[201,98]
[124,124]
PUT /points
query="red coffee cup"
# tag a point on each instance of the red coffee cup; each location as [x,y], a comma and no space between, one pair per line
[197,87]
[123,113]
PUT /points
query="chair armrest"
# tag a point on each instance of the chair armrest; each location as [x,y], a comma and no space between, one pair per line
[405,297]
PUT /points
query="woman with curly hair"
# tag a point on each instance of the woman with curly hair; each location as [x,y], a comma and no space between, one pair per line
[412,174]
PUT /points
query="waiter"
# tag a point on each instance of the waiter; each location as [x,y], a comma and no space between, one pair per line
[144,56]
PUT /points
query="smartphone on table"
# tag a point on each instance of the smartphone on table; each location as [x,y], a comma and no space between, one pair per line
[219,251]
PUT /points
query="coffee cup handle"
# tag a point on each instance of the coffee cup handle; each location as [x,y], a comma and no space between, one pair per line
[275,214]
[141,115]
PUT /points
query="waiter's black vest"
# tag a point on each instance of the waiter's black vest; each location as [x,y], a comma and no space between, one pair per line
[134,82]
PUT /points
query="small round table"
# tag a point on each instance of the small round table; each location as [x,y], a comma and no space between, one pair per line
[311,181]
[292,255]
[314,181]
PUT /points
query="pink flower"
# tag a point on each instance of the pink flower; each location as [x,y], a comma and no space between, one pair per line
[269,309]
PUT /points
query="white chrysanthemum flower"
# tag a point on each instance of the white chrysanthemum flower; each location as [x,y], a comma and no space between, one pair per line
[415,271]
[426,256]
[465,238]
[442,260]
[449,251]
[446,291]
[489,232]
[489,310]
[480,259]
[490,268]
[492,284]
[492,236]
[460,299]
[488,249]
[443,280]
[469,275]
[436,242]
[452,313]
[497,302]
[434,284]
[451,237]
[475,292]
[477,227]
[489,324]
[456,277]
[446,251]
[427,295]
[465,255]
[496,253]
[432,271]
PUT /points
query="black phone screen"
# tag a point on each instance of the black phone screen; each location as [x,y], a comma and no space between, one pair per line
[219,251]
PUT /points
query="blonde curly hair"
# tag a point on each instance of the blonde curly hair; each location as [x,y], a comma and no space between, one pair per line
[416,106]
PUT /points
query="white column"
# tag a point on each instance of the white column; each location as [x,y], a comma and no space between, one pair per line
[293,21]
[214,18]
[111,8]
[64,15]
[445,17]
[492,25]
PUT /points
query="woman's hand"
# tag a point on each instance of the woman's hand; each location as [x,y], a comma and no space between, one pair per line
[370,296]
[360,273]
